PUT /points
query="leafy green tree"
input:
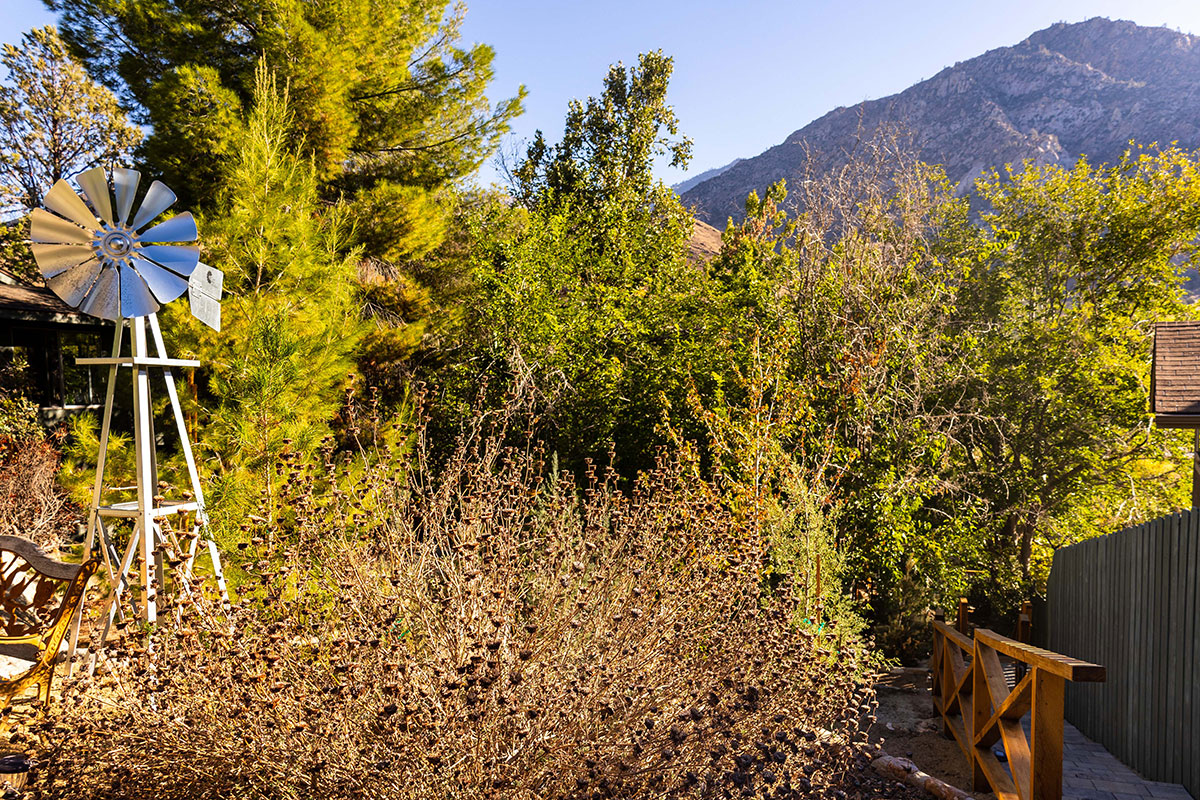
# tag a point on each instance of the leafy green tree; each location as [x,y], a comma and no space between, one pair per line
[54,121]
[609,143]
[970,396]
[385,102]
[850,300]
[1080,262]
[595,304]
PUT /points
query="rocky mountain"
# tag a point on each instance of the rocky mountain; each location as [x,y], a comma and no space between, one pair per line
[1086,88]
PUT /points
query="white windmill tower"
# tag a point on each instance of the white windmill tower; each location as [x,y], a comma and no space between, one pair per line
[105,264]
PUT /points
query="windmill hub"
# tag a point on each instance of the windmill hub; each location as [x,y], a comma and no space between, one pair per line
[117,244]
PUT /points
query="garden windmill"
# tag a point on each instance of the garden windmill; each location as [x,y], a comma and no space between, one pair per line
[106,264]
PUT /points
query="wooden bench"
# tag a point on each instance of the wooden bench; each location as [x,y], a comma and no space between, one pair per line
[38,599]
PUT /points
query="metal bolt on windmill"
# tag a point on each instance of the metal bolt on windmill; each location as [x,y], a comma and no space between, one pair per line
[105,264]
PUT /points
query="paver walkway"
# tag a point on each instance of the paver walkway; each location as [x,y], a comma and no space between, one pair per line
[1092,773]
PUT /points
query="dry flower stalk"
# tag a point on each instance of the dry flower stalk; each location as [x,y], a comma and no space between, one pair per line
[479,628]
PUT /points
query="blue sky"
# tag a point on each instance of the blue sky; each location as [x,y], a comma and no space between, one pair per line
[748,73]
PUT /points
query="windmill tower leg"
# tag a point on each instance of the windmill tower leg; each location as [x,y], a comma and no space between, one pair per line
[93,516]
[201,527]
[113,609]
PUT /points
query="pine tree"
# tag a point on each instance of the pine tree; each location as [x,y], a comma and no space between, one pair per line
[54,120]
[386,104]
[278,368]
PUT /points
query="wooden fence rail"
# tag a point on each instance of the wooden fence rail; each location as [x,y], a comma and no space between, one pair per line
[978,708]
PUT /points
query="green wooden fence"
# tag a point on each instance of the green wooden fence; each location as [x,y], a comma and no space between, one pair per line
[1131,601]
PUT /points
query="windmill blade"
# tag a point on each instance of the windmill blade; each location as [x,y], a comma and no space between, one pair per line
[125,183]
[104,300]
[164,284]
[95,189]
[157,200]
[46,227]
[55,258]
[62,200]
[136,300]
[179,258]
[177,229]
[73,285]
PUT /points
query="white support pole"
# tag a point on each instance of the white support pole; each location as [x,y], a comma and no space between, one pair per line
[216,562]
[180,423]
[114,602]
[143,447]
[193,473]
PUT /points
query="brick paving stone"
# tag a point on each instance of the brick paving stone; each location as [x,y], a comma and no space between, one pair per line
[1091,794]
[1122,787]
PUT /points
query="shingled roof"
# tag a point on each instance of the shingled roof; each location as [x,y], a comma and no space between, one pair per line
[1175,374]
[20,301]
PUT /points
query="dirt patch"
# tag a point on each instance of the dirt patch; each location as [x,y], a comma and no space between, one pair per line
[907,726]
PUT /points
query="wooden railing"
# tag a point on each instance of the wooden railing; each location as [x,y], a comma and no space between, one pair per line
[978,708]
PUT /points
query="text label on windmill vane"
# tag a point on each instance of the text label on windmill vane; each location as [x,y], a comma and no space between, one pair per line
[204,293]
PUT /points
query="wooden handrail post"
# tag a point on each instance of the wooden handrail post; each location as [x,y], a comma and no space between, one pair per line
[947,685]
[1046,739]
[981,709]
[964,616]
[1024,633]
[935,658]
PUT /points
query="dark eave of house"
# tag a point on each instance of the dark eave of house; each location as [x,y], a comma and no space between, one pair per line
[22,302]
[1175,375]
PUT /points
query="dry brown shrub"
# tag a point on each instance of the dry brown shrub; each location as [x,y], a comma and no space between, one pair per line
[32,504]
[483,629]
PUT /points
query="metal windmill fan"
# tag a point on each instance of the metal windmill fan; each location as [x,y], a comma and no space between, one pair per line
[105,264]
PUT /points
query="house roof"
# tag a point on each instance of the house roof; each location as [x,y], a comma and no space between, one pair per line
[20,301]
[1175,373]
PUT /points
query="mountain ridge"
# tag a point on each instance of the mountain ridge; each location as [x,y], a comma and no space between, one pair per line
[1071,89]
[696,180]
